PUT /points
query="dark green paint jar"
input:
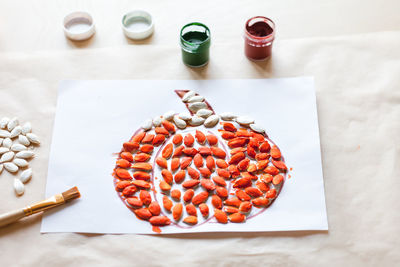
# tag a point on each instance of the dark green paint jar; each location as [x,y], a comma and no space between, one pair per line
[195,44]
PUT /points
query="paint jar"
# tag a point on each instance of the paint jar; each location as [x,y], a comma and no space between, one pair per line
[195,43]
[259,34]
[78,26]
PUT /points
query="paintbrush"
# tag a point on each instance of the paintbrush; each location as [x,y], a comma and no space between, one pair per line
[46,204]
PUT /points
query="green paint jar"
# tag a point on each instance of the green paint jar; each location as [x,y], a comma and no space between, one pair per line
[195,44]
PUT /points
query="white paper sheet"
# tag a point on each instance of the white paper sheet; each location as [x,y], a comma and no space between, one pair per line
[94,118]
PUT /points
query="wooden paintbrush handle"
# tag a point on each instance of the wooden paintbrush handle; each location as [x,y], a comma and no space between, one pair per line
[12,216]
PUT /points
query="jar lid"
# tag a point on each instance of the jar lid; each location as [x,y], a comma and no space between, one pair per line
[137,25]
[78,26]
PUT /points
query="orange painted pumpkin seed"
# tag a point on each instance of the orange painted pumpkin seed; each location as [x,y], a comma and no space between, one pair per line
[145,197]
[262,156]
[127,155]
[218,152]
[160,220]
[219,180]
[205,172]
[266,178]
[252,168]
[251,152]
[229,127]
[161,130]
[212,140]
[220,216]
[143,166]
[200,198]
[139,175]
[193,173]
[253,192]
[134,202]
[264,147]
[175,163]
[234,171]
[198,160]
[167,151]
[130,146]
[279,164]
[233,201]
[142,157]
[178,151]
[277,179]
[148,138]
[167,175]
[121,185]
[138,137]
[221,163]
[223,173]
[262,186]
[169,126]
[177,139]
[162,162]
[180,176]
[129,190]
[123,174]
[185,162]
[141,184]
[165,186]
[210,163]
[190,151]
[188,140]
[176,194]
[155,208]
[204,210]
[229,209]
[143,213]
[242,195]
[243,164]
[271,170]
[190,183]
[237,150]
[123,163]
[227,135]
[177,211]
[236,158]
[216,202]
[207,184]
[222,192]
[146,148]
[242,183]
[271,193]
[158,140]
[167,203]
[191,210]
[200,137]
[245,206]
[275,152]
[260,201]
[188,195]
[237,217]
[204,151]
[238,142]
[190,220]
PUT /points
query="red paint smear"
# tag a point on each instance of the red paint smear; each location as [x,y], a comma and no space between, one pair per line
[156,229]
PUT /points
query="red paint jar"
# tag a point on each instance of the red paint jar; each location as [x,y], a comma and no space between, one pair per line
[259,34]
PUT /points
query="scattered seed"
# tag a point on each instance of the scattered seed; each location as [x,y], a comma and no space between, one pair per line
[181,124]
[194,107]
[7,142]
[20,162]
[18,187]
[10,167]
[204,210]
[147,125]
[12,124]
[33,138]
[185,116]
[220,216]
[211,121]
[196,121]
[227,116]
[4,134]
[8,156]
[188,95]
[257,128]
[16,131]
[3,150]
[204,113]
[196,98]
[191,210]
[160,220]
[26,128]
[157,121]
[3,122]
[190,220]
[26,175]
[244,120]
[18,147]
[169,115]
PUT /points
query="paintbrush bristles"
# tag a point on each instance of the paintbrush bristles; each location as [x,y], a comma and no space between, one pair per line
[71,194]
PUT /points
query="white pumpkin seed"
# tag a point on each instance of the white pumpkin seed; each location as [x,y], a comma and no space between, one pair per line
[18,147]
[33,138]
[26,175]
[1,168]
[196,98]
[185,116]
[257,128]
[4,134]
[16,131]
[4,150]
[19,187]
[169,115]
[227,116]
[204,113]
[7,142]
[27,128]
[211,121]
[196,120]
[188,95]
[146,126]
[1,141]
[157,121]
[26,154]
[23,140]
[3,122]
[181,124]
[12,124]
[20,162]
[244,120]
[196,106]
[11,167]
[8,156]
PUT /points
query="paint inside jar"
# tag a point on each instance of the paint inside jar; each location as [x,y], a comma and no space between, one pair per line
[195,44]
[137,24]
[259,35]
[78,25]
